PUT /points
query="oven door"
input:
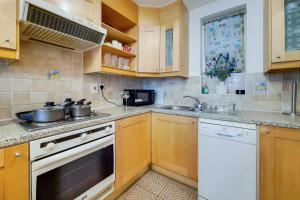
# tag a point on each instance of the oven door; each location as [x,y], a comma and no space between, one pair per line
[78,173]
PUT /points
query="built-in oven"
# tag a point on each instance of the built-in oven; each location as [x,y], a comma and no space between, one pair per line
[74,165]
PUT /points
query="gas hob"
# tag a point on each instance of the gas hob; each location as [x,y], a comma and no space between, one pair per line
[33,126]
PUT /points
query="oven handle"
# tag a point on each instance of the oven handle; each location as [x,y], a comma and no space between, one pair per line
[72,154]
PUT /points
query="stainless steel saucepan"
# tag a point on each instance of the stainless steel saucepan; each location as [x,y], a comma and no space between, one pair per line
[80,109]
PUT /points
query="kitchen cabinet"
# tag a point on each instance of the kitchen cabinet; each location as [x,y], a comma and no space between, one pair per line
[284,34]
[9,39]
[168,27]
[279,163]
[174,38]
[14,173]
[121,14]
[132,148]
[169,49]
[149,42]
[120,19]
[174,144]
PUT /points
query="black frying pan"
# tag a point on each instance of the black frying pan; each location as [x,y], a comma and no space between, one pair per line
[27,116]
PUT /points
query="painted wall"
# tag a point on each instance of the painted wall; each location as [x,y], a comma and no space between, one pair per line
[254,29]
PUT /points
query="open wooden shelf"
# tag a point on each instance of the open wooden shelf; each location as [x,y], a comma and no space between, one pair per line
[117,52]
[114,34]
[116,19]
[112,70]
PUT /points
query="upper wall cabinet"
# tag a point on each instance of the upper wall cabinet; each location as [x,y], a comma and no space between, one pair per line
[285,34]
[172,21]
[118,54]
[9,34]
[149,37]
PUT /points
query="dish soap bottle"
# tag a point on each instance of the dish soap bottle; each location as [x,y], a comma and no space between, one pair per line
[205,89]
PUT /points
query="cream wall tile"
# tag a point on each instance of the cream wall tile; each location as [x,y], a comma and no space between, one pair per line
[5,84]
[5,99]
[40,85]
[39,97]
[5,113]
[22,85]
[22,98]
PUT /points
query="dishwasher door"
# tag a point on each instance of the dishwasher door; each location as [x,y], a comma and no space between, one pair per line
[227,163]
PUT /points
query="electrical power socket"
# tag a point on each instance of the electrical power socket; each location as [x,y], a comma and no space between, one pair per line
[101,86]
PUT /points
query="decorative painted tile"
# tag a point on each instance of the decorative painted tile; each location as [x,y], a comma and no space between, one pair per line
[176,191]
[138,193]
[153,182]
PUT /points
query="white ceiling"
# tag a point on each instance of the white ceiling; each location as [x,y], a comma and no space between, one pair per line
[191,4]
[159,3]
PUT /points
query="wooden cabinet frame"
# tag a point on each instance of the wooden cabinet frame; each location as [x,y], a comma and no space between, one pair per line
[279,163]
[278,57]
[176,47]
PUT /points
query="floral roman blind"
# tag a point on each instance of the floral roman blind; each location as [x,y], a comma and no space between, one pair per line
[225,35]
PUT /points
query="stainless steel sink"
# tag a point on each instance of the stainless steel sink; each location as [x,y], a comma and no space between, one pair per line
[176,108]
[180,108]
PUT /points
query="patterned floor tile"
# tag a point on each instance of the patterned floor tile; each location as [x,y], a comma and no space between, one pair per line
[153,182]
[176,191]
[138,193]
[194,195]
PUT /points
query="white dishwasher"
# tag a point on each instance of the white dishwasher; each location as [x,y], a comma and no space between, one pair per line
[227,166]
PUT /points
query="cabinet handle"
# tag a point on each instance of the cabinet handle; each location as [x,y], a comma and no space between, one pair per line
[157,70]
[17,154]
[5,41]
[267,131]
[278,57]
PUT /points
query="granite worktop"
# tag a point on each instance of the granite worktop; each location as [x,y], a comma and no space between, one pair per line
[11,133]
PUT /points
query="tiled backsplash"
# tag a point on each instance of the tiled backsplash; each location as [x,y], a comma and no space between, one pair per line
[275,97]
[24,84]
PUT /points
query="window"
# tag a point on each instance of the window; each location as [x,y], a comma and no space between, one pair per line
[224,52]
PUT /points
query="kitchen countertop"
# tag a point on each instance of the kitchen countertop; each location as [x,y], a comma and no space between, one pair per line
[12,134]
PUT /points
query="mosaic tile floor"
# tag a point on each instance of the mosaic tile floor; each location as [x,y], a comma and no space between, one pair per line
[154,186]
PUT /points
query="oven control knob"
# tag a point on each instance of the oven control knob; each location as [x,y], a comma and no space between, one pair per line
[50,146]
[84,136]
[107,130]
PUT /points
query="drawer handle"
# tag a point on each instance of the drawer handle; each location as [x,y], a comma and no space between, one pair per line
[17,154]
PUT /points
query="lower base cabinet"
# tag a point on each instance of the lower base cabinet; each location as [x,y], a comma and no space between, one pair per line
[279,163]
[14,173]
[132,148]
[175,144]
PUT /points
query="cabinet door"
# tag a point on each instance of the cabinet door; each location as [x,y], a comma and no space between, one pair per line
[132,147]
[8,21]
[149,38]
[169,48]
[16,173]
[285,30]
[174,144]
[279,163]
[86,9]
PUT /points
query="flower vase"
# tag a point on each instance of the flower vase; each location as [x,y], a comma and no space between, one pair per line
[222,88]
